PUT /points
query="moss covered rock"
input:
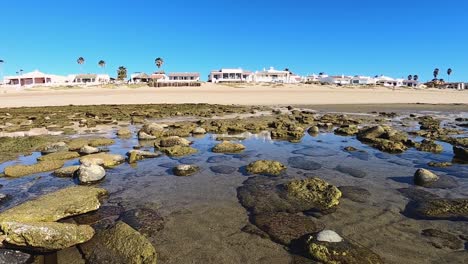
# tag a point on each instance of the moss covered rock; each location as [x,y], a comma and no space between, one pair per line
[78,143]
[55,206]
[124,133]
[66,171]
[269,167]
[173,141]
[119,244]
[23,170]
[389,146]
[135,155]
[68,155]
[45,236]
[429,146]
[104,159]
[179,151]
[347,130]
[228,147]
[314,191]
[185,170]
[55,147]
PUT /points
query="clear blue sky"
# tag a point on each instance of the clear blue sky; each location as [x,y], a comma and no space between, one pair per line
[365,37]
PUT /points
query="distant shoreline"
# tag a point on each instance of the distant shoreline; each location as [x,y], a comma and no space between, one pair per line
[238,94]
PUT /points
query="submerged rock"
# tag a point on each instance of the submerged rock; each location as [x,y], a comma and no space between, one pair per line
[441,239]
[357,173]
[269,167]
[333,249]
[119,244]
[440,164]
[228,147]
[173,141]
[313,191]
[303,163]
[144,220]
[89,173]
[45,236]
[104,159]
[461,153]
[423,177]
[55,206]
[355,193]
[284,227]
[24,170]
[59,156]
[223,169]
[179,151]
[66,172]
[218,159]
[185,170]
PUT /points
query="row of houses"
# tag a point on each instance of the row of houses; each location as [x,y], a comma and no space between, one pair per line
[271,75]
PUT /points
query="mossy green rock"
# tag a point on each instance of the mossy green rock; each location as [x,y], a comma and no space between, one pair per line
[104,159]
[443,208]
[173,141]
[68,155]
[66,171]
[313,191]
[270,167]
[55,206]
[429,146]
[78,143]
[23,170]
[343,252]
[179,151]
[389,146]
[228,147]
[119,244]
[45,236]
[347,130]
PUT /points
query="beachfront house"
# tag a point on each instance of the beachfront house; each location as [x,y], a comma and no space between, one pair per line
[410,83]
[184,77]
[140,77]
[337,79]
[388,81]
[456,85]
[89,79]
[273,76]
[362,80]
[230,76]
[34,78]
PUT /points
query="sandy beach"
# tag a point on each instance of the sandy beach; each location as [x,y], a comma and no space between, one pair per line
[242,94]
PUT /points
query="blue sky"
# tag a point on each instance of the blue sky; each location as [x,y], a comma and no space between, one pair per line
[365,37]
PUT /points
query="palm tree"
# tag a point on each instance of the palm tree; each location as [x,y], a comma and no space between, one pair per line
[102,64]
[436,73]
[449,72]
[121,73]
[415,77]
[159,62]
[410,77]
[80,62]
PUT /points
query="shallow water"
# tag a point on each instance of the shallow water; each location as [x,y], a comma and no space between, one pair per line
[203,216]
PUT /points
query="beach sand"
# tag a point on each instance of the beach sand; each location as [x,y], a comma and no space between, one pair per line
[242,94]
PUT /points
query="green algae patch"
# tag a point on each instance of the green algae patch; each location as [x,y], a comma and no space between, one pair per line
[228,147]
[314,191]
[57,205]
[24,170]
[119,244]
[45,236]
[67,155]
[179,151]
[77,143]
[11,148]
[269,167]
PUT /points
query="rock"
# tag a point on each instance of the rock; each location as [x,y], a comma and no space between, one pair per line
[55,206]
[269,167]
[223,169]
[135,155]
[174,141]
[66,172]
[90,173]
[357,173]
[59,156]
[179,151]
[347,130]
[429,146]
[4,198]
[45,236]
[370,133]
[124,133]
[101,217]
[185,170]
[104,159]
[389,146]
[228,147]
[303,163]
[441,239]
[423,177]
[460,153]
[339,252]
[229,138]
[384,138]
[355,194]
[78,143]
[350,149]
[284,228]
[86,150]
[439,164]
[11,256]
[199,131]
[70,255]
[119,244]
[218,159]
[144,220]
[313,130]
[23,170]
[316,151]
[329,236]
[153,129]
[145,136]
[313,191]
[55,147]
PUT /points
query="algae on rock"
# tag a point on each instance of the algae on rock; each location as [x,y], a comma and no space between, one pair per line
[270,167]
[24,170]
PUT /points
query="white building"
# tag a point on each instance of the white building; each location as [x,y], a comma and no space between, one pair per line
[139,77]
[230,76]
[388,81]
[34,78]
[184,77]
[362,80]
[274,76]
[411,83]
[338,80]
[89,79]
